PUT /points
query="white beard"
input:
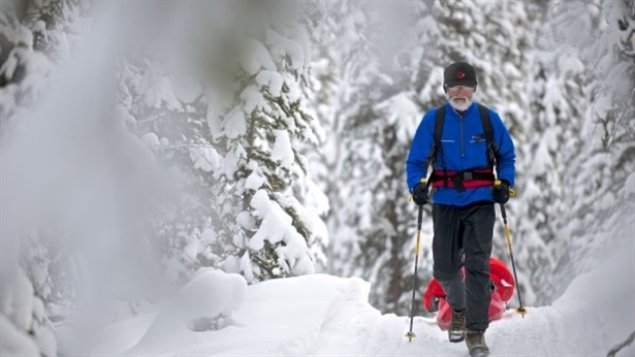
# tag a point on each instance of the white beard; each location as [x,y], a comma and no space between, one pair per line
[462,104]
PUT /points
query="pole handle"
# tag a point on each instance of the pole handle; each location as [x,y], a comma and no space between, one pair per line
[512,192]
[424,181]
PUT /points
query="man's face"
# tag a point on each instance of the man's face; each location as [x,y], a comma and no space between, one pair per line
[460,96]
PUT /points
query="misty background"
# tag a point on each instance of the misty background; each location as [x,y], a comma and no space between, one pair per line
[141,141]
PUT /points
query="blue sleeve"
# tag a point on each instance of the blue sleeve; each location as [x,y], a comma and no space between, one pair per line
[506,159]
[420,149]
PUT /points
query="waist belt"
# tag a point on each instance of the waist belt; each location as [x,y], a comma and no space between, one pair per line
[463,179]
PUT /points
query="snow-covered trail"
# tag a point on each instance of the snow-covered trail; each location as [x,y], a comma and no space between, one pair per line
[321,315]
[324,315]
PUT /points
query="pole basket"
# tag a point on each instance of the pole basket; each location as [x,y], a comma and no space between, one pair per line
[521,311]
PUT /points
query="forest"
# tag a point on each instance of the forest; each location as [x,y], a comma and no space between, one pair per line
[143,141]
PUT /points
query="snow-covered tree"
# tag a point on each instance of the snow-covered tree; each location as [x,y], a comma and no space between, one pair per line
[229,132]
[362,172]
[338,103]
[599,173]
[171,121]
[259,122]
[33,36]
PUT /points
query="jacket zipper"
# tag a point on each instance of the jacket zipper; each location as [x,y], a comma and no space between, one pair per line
[462,140]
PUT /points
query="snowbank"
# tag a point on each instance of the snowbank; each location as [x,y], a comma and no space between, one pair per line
[205,304]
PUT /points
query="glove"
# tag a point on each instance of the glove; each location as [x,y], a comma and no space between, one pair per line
[420,194]
[500,193]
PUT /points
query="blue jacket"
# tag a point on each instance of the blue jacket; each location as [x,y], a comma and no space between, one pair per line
[463,148]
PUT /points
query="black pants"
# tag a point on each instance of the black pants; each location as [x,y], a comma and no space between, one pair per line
[464,232]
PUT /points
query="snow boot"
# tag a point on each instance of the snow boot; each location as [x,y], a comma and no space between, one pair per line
[456,332]
[475,341]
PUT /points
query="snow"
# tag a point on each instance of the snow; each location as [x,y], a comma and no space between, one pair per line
[255,180]
[9,66]
[211,293]
[259,58]
[317,201]
[579,305]
[276,226]
[272,80]
[245,220]
[235,124]
[191,250]
[158,91]
[324,315]
[45,339]
[232,160]
[569,62]
[309,218]
[281,47]
[16,342]
[282,149]
[246,268]
[542,162]
[253,99]
[401,108]
[205,157]
[186,88]
[304,266]
[21,301]
[34,64]
[67,180]
[629,185]
[294,93]
[151,140]
[115,338]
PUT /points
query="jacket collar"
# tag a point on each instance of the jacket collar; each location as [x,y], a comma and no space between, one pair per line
[467,111]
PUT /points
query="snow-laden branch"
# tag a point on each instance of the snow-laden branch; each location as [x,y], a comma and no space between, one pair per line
[617,348]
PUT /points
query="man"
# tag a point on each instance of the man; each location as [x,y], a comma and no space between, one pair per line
[470,140]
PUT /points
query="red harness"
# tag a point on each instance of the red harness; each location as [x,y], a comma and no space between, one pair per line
[463,179]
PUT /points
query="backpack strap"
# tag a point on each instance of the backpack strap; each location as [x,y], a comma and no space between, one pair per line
[438,126]
[492,148]
[438,131]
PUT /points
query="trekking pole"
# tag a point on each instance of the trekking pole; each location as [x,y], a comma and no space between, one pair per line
[410,335]
[521,310]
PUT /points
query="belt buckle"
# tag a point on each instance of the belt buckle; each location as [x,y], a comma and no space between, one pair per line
[458,183]
[468,175]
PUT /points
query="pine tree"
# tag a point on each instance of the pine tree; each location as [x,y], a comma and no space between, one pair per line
[31,36]
[601,166]
[362,165]
[340,26]
[172,124]
[233,147]
[259,126]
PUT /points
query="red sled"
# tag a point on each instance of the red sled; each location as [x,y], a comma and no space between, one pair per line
[502,290]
